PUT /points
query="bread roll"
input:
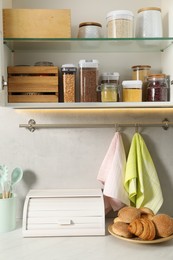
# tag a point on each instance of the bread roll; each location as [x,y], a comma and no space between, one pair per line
[128,214]
[117,219]
[163,224]
[146,210]
[121,229]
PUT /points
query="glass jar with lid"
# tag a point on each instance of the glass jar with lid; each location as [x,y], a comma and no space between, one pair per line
[109,89]
[90,30]
[140,72]
[149,22]
[157,88]
[120,24]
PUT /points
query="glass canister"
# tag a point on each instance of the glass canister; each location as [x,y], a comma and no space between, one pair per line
[69,82]
[140,72]
[88,78]
[109,88]
[157,88]
[90,30]
[149,22]
[120,24]
[109,92]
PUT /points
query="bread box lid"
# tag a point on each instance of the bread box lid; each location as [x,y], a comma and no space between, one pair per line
[64,212]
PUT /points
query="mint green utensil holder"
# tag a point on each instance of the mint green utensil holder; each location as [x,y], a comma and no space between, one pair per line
[7,214]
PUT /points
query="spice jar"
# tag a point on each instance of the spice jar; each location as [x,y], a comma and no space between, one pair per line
[120,24]
[69,82]
[90,30]
[88,78]
[132,91]
[149,22]
[157,87]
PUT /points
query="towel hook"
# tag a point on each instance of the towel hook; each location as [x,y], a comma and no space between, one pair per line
[136,128]
[117,128]
[165,123]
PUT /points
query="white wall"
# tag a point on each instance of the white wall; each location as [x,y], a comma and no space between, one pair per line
[67,158]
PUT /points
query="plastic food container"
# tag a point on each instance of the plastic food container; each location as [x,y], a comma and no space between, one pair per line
[69,82]
[132,91]
[120,24]
[90,30]
[149,22]
[88,78]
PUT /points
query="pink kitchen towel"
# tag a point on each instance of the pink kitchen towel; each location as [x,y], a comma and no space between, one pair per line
[111,175]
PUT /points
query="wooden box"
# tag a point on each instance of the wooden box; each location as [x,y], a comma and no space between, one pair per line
[37,23]
[27,84]
[64,212]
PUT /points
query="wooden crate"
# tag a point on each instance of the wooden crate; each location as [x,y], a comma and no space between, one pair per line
[37,23]
[32,84]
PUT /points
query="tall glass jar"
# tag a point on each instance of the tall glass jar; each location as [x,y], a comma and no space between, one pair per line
[88,78]
[157,88]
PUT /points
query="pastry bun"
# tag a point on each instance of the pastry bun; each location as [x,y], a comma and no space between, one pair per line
[163,224]
[128,214]
[121,229]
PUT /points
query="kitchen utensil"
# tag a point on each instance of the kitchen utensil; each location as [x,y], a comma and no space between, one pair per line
[3,176]
[16,176]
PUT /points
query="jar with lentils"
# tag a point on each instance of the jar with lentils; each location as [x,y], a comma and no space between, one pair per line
[88,78]
[157,88]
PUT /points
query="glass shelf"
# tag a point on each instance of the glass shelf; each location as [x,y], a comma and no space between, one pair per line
[89,45]
[94,105]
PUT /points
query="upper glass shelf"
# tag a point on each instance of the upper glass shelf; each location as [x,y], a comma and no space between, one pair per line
[89,45]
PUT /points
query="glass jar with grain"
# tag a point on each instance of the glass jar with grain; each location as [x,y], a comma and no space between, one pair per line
[132,90]
[120,24]
[88,78]
[69,82]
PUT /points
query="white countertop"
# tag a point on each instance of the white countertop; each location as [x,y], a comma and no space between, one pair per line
[14,247]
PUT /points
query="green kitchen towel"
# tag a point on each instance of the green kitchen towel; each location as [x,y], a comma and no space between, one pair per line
[141,180]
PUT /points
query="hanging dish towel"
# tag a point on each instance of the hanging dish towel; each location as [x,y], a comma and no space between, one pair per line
[141,180]
[111,175]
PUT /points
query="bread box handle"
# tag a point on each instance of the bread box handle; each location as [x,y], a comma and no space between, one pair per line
[64,221]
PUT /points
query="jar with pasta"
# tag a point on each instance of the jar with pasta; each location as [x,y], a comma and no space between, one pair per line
[69,82]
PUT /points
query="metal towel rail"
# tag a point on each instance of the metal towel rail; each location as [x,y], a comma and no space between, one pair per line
[32,125]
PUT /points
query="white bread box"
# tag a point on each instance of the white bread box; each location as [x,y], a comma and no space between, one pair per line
[64,212]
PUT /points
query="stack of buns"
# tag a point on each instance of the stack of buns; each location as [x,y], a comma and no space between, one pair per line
[142,223]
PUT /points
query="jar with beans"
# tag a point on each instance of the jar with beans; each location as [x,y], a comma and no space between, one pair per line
[88,78]
[157,88]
